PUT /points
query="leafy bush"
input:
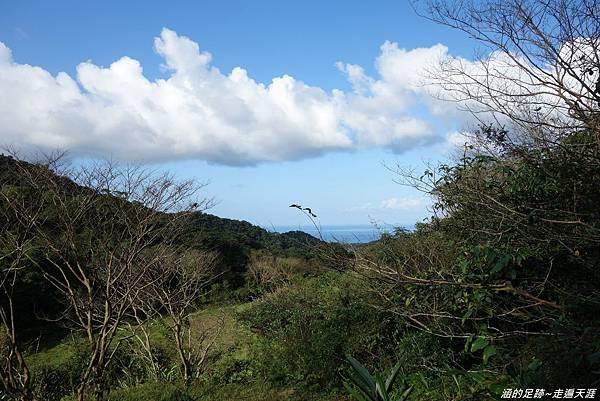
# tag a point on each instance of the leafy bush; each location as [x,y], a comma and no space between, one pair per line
[365,387]
[57,373]
[306,329]
[505,273]
[233,369]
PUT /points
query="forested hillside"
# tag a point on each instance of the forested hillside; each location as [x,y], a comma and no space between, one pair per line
[118,285]
[234,241]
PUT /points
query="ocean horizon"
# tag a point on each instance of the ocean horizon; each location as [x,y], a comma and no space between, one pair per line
[351,233]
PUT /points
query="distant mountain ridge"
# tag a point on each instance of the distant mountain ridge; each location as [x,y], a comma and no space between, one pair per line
[235,242]
[252,236]
[233,238]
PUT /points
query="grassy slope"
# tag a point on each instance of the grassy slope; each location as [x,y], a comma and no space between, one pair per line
[224,380]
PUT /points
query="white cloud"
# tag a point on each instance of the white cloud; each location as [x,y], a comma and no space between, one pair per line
[382,111]
[200,112]
[404,203]
[458,140]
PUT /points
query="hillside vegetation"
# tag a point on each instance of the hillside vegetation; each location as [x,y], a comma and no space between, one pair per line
[118,285]
[501,292]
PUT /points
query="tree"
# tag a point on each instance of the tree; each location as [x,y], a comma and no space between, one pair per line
[540,69]
[536,92]
[18,211]
[172,291]
[97,228]
[511,251]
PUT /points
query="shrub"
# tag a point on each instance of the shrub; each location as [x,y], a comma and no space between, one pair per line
[307,328]
[57,373]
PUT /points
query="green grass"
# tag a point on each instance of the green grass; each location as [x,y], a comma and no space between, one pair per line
[228,392]
[230,374]
[56,355]
[233,335]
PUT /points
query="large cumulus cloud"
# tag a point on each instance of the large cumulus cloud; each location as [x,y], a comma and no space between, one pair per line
[200,112]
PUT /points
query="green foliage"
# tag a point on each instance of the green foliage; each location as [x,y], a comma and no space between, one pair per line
[232,368]
[228,392]
[307,328]
[373,388]
[235,240]
[57,372]
[505,274]
[499,290]
[525,199]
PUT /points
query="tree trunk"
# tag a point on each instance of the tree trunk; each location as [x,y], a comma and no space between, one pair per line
[81,392]
[185,364]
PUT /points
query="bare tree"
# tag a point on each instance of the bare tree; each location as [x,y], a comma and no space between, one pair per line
[527,179]
[172,292]
[535,86]
[98,226]
[14,372]
[539,68]
[20,209]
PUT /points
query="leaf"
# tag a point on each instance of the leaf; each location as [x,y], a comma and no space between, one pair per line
[497,388]
[477,377]
[501,264]
[455,372]
[380,389]
[468,343]
[362,372]
[362,386]
[479,344]
[354,393]
[392,376]
[362,379]
[466,316]
[405,394]
[488,352]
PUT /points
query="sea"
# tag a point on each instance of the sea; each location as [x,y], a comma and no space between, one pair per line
[350,234]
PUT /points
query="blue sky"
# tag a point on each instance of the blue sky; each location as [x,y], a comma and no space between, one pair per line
[333,163]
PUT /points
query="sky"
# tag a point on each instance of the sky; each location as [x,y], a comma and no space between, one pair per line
[270,102]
